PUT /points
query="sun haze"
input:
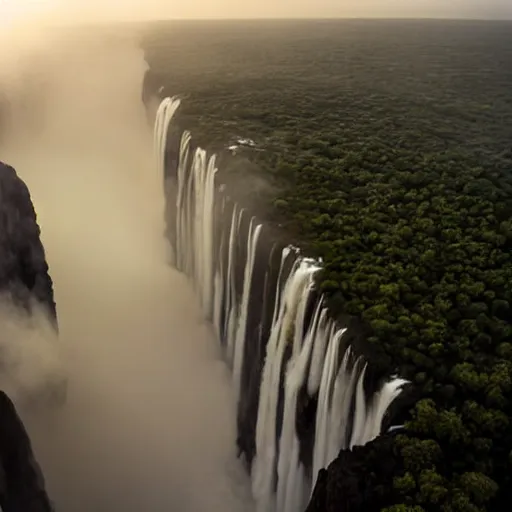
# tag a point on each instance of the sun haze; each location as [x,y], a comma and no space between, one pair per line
[138,10]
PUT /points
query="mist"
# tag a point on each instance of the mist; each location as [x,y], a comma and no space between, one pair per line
[149,422]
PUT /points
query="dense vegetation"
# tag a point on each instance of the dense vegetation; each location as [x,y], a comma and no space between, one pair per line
[391,146]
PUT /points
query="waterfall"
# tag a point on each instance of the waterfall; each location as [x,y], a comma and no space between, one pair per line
[300,387]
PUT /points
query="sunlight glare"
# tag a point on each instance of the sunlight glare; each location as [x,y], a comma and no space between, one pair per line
[13,12]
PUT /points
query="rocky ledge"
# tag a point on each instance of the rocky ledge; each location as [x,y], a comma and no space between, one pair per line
[359,480]
[22,485]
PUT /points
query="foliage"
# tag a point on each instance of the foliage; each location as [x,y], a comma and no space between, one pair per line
[391,145]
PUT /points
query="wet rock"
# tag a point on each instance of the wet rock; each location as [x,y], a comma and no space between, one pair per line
[22,485]
[24,275]
[358,480]
[25,281]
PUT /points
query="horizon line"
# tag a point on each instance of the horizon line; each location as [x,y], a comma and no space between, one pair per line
[332,18]
[298,18]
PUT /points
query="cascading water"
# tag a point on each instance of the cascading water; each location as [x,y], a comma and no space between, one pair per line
[289,360]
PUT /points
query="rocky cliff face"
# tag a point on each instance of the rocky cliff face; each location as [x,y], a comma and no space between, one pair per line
[22,486]
[359,480]
[24,275]
[26,283]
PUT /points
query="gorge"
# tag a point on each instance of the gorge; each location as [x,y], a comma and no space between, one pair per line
[352,232]
[303,390]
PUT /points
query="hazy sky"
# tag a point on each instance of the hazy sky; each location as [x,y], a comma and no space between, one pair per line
[326,8]
[150,9]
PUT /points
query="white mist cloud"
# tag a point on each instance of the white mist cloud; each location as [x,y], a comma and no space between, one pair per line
[30,354]
[149,423]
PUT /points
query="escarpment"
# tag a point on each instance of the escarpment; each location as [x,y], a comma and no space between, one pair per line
[24,273]
[25,282]
[305,383]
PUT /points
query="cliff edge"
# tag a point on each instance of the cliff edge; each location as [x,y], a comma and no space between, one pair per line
[24,274]
[358,480]
[25,282]
[22,485]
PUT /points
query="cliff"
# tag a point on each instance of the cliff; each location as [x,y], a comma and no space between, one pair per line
[359,480]
[22,485]
[306,384]
[24,275]
[25,282]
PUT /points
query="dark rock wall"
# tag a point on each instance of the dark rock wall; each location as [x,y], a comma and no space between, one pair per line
[24,281]
[22,485]
[24,273]
[359,480]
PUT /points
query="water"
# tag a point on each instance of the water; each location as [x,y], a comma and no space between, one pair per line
[283,349]
[150,418]
[149,424]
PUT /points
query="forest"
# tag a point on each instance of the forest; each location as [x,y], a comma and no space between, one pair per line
[387,149]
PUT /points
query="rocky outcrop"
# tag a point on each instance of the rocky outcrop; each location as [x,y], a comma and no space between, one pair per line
[25,282]
[22,485]
[24,275]
[359,480]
